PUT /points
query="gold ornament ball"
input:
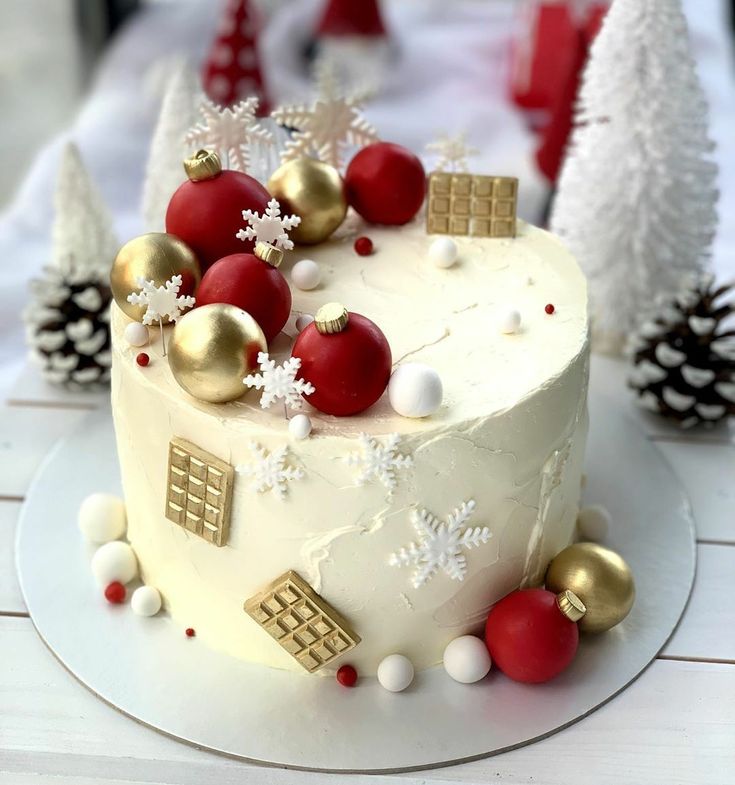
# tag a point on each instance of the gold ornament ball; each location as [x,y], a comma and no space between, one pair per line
[212,349]
[156,257]
[314,191]
[599,577]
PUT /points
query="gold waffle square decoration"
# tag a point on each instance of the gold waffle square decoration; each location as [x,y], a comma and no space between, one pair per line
[307,627]
[199,491]
[472,204]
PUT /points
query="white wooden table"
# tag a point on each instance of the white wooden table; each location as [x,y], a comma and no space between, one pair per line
[675,724]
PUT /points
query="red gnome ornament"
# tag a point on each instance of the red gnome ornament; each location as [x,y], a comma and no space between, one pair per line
[346,358]
[206,210]
[532,634]
[232,69]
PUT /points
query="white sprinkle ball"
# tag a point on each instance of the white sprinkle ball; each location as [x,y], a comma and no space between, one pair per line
[114,561]
[415,390]
[395,672]
[306,274]
[509,321]
[443,252]
[303,321]
[136,334]
[101,517]
[466,659]
[593,523]
[299,426]
[146,601]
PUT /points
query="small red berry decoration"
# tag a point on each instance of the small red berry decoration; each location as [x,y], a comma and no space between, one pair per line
[550,309]
[190,632]
[142,359]
[385,183]
[532,634]
[347,676]
[115,593]
[363,246]
[346,358]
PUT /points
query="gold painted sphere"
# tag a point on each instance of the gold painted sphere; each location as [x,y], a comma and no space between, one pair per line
[212,349]
[156,257]
[314,191]
[600,578]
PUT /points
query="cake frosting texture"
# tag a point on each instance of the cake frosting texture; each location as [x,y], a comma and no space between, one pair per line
[507,443]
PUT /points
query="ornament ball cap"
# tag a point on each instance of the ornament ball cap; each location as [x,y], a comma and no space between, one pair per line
[331,318]
[203,165]
[269,253]
[570,605]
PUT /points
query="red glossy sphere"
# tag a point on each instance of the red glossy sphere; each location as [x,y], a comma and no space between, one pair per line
[549,308]
[207,214]
[347,676]
[363,246]
[385,183]
[142,359]
[115,593]
[529,638]
[190,632]
[251,284]
[350,370]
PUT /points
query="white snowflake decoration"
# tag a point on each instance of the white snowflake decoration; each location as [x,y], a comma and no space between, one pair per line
[279,382]
[379,461]
[230,131]
[271,227]
[325,128]
[452,153]
[161,301]
[440,544]
[269,472]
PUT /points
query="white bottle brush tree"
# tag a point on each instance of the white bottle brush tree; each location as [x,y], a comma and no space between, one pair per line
[67,318]
[636,197]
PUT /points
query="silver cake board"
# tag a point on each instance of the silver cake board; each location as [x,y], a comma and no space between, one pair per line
[150,671]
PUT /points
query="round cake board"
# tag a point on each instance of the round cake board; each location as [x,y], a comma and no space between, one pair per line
[149,670]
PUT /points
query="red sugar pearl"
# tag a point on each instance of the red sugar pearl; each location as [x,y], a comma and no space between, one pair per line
[347,676]
[142,359]
[363,246]
[115,593]
[190,632]
[549,309]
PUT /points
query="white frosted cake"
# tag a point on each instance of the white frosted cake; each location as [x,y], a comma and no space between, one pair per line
[503,455]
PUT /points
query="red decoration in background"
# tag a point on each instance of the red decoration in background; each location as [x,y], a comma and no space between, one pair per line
[350,369]
[347,676]
[232,68]
[350,18]
[207,214]
[251,284]
[115,593]
[363,246]
[385,183]
[529,638]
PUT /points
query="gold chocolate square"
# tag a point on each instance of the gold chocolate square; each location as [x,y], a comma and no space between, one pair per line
[199,491]
[473,205]
[307,627]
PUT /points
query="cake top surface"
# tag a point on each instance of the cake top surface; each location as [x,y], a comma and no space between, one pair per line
[445,318]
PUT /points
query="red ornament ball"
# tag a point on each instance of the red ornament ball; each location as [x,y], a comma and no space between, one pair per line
[363,246]
[550,309]
[385,183]
[349,369]
[190,632]
[529,638]
[115,593]
[207,214]
[142,359]
[347,676]
[248,282]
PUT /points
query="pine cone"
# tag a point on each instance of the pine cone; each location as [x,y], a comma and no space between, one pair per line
[68,328]
[684,357]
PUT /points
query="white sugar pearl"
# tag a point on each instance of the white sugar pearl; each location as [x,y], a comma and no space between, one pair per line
[114,561]
[593,523]
[415,390]
[306,274]
[136,334]
[509,321]
[299,426]
[443,252]
[395,673]
[467,659]
[101,517]
[303,321]
[146,601]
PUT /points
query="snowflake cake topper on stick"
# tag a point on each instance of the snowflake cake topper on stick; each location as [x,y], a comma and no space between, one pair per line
[452,152]
[279,382]
[379,461]
[269,471]
[162,302]
[269,230]
[440,544]
[230,131]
